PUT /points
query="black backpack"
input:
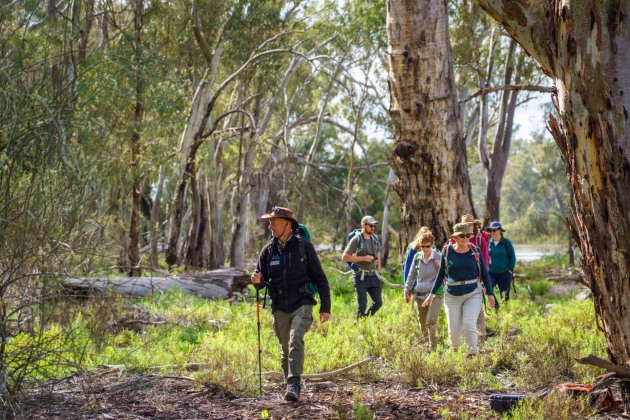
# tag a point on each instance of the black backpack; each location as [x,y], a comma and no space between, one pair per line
[302,235]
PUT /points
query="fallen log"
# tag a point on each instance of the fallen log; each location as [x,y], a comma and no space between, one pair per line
[215,284]
[379,275]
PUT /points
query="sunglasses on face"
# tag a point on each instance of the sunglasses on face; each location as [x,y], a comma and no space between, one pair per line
[467,235]
[372,226]
[426,246]
[493,230]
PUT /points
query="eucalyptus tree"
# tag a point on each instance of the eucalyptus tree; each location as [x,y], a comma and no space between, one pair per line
[581,45]
[501,77]
[222,101]
[137,120]
[429,155]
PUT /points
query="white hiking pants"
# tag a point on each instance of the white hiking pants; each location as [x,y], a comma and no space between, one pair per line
[462,313]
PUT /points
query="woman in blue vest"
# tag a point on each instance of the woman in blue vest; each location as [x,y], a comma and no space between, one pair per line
[462,270]
[502,259]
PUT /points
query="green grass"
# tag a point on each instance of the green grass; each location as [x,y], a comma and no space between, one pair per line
[532,347]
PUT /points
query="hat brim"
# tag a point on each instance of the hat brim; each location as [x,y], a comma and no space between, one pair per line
[488,229]
[275,216]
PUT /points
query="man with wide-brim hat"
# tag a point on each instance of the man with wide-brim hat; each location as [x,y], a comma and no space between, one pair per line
[462,272]
[480,240]
[290,269]
[281,213]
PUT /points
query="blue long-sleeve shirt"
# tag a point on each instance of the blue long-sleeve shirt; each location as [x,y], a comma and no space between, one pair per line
[461,267]
[502,256]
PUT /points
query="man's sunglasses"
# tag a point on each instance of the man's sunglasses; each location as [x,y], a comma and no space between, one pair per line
[278,210]
[372,226]
[467,235]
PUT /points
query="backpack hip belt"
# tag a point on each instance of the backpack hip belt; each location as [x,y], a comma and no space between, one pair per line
[461,282]
[367,273]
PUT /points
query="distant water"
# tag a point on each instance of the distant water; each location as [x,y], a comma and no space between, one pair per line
[527,253]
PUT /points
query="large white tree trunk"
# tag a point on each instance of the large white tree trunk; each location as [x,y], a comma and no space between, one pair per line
[429,156]
[583,46]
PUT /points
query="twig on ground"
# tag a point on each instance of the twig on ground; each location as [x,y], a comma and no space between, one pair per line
[321,375]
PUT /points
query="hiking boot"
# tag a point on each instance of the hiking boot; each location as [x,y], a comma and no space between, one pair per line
[293,391]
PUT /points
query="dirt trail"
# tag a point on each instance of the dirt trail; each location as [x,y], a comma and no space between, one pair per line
[107,394]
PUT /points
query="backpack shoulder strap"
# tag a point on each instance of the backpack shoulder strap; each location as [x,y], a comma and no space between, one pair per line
[416,258]
[302,248]
[445,249]
[269,247]
[358,233]
[476,252]
[507,251]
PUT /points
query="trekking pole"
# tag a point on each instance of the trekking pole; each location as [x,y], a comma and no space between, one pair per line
[259,347]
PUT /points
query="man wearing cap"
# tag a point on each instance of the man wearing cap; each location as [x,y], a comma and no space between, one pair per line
[288,266]
[364,249]
[480,239]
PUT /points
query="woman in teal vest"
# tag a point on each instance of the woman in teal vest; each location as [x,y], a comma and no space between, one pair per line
[502,260]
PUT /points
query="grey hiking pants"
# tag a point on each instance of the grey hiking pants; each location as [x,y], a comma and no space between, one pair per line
[290,329]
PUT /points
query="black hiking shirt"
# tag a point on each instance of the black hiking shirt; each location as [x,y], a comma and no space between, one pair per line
[287,276]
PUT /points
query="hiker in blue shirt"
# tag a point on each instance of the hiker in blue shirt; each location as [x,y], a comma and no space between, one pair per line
[462,270]
[502,260]
[365,250]
[286,266]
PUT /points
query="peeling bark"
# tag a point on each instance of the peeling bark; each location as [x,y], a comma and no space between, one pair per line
[582,45]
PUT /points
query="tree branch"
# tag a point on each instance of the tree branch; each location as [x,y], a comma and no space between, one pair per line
[532,88]
[528,26]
